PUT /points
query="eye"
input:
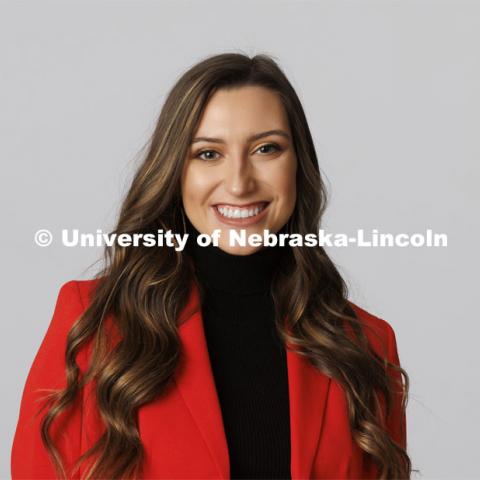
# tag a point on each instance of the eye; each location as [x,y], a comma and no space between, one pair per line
[275,147]
[199,154]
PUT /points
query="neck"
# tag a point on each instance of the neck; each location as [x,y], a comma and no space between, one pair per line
[223,271]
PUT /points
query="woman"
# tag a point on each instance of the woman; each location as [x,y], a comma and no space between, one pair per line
[221,361]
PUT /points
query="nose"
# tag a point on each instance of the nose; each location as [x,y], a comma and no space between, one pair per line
[239,177]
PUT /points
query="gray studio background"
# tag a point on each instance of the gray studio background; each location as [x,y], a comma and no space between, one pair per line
[390,89]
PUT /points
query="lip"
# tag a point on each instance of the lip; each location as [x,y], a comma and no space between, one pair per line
[241,222]
[243,205]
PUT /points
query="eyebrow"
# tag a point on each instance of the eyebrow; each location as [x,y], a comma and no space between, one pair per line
[257,136]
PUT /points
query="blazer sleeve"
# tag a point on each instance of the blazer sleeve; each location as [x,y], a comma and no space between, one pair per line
[396,422]
[29,457]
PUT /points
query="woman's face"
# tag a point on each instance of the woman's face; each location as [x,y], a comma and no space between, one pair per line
[240,171]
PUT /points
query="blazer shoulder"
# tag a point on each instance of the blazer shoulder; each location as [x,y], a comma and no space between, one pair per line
[86,288]
[47,373]
[72,300]
[381,336]
[379,332]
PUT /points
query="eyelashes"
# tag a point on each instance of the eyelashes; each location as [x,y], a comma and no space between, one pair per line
[270,146]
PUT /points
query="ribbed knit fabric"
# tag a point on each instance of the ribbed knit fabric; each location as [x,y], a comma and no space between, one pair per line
[247,357]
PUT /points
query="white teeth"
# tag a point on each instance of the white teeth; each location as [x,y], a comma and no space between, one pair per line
[239,212]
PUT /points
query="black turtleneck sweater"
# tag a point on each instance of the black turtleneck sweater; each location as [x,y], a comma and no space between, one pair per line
[247,357]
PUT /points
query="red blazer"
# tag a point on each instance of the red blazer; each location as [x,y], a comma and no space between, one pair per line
[183,431]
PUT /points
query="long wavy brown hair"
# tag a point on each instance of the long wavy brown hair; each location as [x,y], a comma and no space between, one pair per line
[145,289]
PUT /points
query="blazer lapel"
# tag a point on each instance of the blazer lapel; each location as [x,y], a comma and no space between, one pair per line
[308,391]
[195,381]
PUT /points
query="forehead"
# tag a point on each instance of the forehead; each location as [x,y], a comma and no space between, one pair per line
[242,111]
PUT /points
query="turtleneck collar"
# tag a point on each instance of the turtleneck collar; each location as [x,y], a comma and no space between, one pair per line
[239,274]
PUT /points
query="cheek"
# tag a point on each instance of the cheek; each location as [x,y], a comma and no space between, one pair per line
[284,182]
[195,185]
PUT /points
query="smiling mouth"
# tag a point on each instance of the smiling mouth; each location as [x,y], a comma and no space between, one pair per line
[239,212]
